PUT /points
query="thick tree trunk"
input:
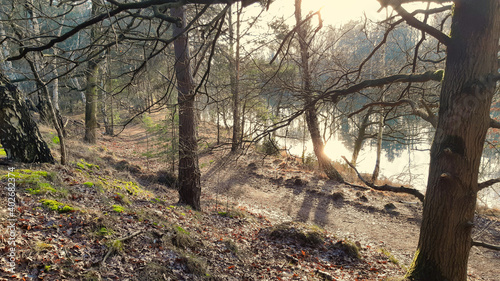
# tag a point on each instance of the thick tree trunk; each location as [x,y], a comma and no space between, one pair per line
[91,103]
[324,162]
[466,94]
[311,115]
[19,133]
[189,172]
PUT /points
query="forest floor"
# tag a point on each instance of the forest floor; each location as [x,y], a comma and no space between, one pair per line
[113,217]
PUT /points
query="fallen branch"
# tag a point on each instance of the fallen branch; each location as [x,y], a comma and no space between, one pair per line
[112,249]
[387,187]
[486,245]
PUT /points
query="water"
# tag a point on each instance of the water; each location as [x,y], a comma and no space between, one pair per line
[409,167]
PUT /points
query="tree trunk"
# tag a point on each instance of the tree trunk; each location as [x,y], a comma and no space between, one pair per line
[466,94]
[311,113]
[91,90]
[189,172]
[51,110]
[19,133]
[91,103]
[358,142]
[380,134]
[234,70]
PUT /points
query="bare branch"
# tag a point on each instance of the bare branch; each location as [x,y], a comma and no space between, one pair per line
[120,7]
[487,183]
[292,32]
[401,78]
[494,124]
[387,187]
[412,21]
[486,245]
[424,113]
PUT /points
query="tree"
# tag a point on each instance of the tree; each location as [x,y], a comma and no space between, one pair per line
[189,171]
[19,133]
[91,96]
[467,90]
[234,68]
[307,91]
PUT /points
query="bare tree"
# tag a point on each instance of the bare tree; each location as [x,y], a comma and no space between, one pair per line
[189,172]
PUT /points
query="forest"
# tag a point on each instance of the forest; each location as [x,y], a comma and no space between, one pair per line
[250,140]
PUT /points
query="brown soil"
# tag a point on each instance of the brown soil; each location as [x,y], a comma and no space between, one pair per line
[282,190]
[261,191]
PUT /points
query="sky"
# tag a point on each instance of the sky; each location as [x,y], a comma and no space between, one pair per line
[334,12]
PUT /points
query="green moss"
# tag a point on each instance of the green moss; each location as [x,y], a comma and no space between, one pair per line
[118,208]
[180,229]
[41,188]
[26,176]
[391,258]
[3,153]
[117,245]
[423,269]
[82,164]
[232,214]
[35,181]
[88,184]
[55,140]
[103,231]
[56,206]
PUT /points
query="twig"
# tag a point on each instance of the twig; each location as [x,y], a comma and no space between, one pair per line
[486,245]
[112,249]
[387,187]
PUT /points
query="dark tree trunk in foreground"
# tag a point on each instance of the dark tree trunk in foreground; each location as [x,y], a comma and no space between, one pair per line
[18,132]
[325,163]
[189,172]
[466,94]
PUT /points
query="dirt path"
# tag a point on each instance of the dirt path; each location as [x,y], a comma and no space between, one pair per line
[376,219]
[283,192]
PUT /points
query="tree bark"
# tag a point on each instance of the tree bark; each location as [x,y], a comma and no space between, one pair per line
[358,142]
[51,110]
[20,137]
[189,172]
[91,90]
[91,103]
[466,94]
[380,134]
[234,73]
[311,112]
